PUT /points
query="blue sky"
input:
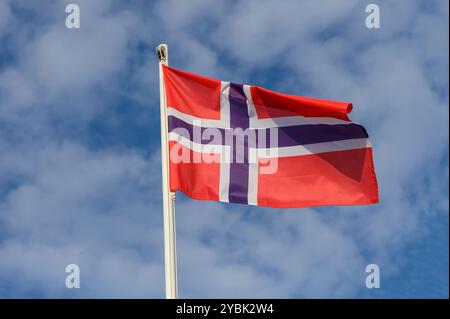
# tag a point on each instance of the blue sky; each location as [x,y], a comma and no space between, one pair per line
[80,163]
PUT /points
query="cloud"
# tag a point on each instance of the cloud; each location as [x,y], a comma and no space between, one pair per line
[73,190]
[85,207]
[5,16]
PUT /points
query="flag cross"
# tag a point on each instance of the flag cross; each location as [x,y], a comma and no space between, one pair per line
[252,140]
[239,167]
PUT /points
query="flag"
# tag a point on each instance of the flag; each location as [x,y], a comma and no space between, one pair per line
[244,144]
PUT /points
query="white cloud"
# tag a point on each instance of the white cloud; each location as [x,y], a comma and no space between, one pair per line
[61,201]
[90,208]
[5,16]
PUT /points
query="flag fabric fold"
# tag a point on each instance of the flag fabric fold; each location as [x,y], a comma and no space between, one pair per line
[245,144]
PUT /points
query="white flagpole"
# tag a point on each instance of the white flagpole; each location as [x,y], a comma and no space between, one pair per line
[170,251]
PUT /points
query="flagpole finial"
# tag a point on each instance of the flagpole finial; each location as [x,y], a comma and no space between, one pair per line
[162,52]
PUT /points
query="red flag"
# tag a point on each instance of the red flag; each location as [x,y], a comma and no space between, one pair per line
[245,144]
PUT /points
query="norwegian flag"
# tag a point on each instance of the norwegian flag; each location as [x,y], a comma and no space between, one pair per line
[245,144]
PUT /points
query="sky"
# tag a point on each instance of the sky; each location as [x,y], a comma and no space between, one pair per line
[80,168]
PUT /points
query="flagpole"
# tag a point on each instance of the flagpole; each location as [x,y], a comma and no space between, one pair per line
[170,251]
